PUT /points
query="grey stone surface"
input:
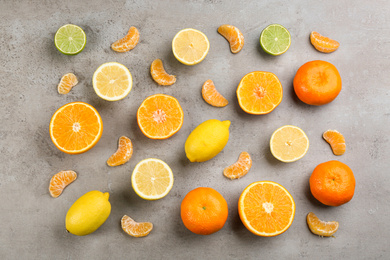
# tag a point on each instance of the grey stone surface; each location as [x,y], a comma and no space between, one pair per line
[32,223]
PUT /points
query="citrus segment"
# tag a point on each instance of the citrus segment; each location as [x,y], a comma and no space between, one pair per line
[68,81]
[322,43]
[321,228]
[160,116]
[70,39]
[152,179]
[128,42]
[159,75]
[135,229]
[266,208]
[275,39]
[123,154]
[59,181]
[259,92]
[211,95]
[289,143]
[190,46]
[239,168]
[336,141]
[233,35]
[76,127]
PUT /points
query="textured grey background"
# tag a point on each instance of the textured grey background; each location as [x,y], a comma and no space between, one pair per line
[32,223]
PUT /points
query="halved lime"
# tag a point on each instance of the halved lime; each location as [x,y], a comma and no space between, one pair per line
[275,39]
[70,39]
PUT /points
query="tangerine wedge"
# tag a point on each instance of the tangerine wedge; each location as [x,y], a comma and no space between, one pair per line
[322,43]
[59,181]
[135,229]
[128,42]
[239,168]
[233,35]
[212,96]
[68,81]
[336,141]
[160,75]
[321,228]
[123,154]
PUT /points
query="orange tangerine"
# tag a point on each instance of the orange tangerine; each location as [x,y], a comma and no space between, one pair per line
[128,42]
[322,43]
[321,228]
[336,141]
[212,96]
[123,154]
[233,35]
[68,81]
[159,75]
[59,181]
[135,229]
[239,168]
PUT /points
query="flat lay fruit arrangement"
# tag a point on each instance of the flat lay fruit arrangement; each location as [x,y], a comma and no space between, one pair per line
[265,207]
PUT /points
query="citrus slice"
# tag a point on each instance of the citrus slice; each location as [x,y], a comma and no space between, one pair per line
[159,75]
[266,208]
[336,141]
[259,92]
[68,81]
[321,228]
[212,96]
[275,39]
[135,229]
[152,179]
[289,143]
[190,46]
[128,42]
[239,168]
[59,181]
[76,127]
[123,154]
[322,43]
[233,35]
[160,116]
[70,39]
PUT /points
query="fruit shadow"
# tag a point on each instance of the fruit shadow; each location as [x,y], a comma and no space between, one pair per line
[269,157]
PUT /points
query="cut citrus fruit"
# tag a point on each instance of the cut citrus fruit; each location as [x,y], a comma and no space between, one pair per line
[123,154]
[68,81]
[128,42]
[76,127]
[275,39]
[190,46]
[70,39]
[336,141]
[112,81]
[289,143]
[152,179]
[160,116]
[266,208]
[233,35]
[59,181]
[212,96]
[322,43]
[135,229]
[321,228]
[259,92]
[239,168]
[160,75]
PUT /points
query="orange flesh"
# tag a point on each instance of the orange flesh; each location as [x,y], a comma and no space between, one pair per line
[320,227]
[59,181]
[336,141]
[135,229]
[123,154]
[212,96]
[234,36]
[68,81]
[240,168]
[159,75]
[128,42]
[322,43]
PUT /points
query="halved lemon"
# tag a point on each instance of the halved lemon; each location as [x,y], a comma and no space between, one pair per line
[112,81]
[152,179]
[190,46]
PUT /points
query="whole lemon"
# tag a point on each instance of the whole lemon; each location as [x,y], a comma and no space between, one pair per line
[207,140]
[88,213]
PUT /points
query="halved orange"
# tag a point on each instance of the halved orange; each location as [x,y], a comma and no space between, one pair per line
[68,81]
[135,229]
[321,228]
[259,92]
[128,42]
[239,168]
[159,75]
[322,43]
[211,95]
[336,141]
[266,208]
[233,35]
[160,116]
[59,181]
[76,127]
[123,154]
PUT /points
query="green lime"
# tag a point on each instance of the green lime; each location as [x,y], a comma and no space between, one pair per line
[275,39]
[70,39]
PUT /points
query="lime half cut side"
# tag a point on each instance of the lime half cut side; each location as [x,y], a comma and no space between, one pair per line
[70,39]
[275,39]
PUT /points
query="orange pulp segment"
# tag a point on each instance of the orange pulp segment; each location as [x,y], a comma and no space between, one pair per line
[128,42]
[160,75]
[123,154]
[322,43]
[233,35]
[321,228]
[59,181]
[239,168]
[336,141]
[135,229]
[68,81]
[212,96]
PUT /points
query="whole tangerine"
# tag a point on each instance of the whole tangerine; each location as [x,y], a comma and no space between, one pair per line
[317,83]
[332,183]
[204,211]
